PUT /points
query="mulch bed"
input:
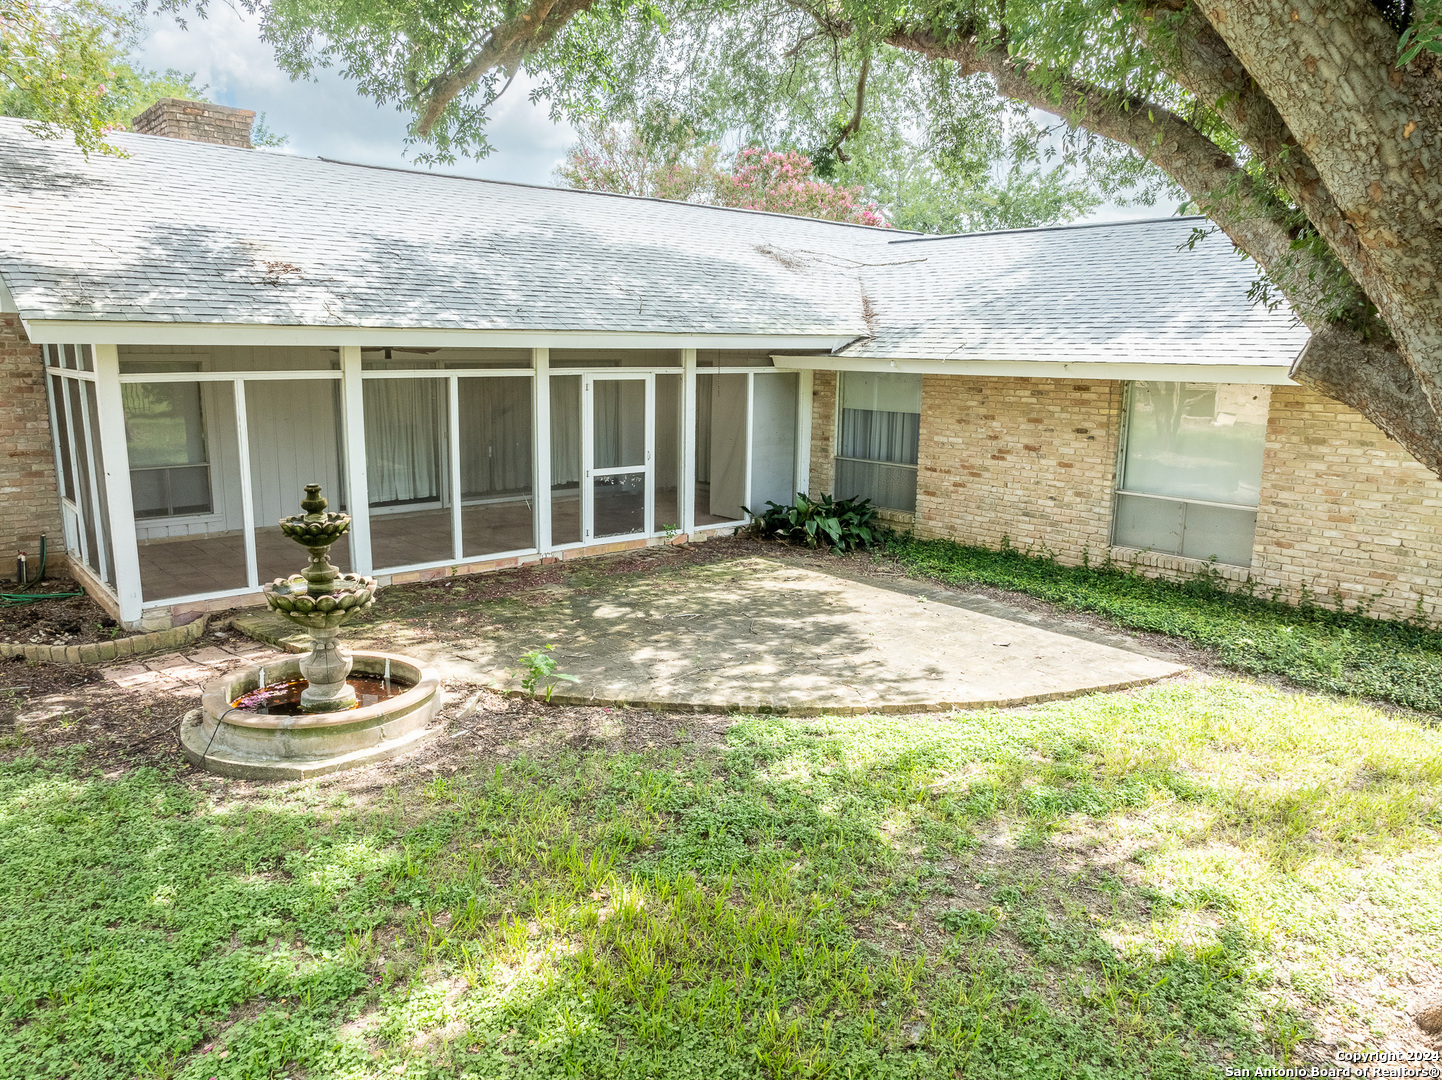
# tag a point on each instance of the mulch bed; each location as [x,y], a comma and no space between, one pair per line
[75,620]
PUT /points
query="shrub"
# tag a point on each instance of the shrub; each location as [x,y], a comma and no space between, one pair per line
[845,524]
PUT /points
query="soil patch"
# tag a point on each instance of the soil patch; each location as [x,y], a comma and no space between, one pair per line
[73,620]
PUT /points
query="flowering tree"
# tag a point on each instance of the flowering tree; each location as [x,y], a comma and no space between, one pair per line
[56,63]
[622,159]
[785,183]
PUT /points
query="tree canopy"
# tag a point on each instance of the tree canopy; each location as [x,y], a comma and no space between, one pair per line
[617,158]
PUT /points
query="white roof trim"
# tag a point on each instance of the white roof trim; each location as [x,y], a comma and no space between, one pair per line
[7,302]
[1269,374]
[61,332]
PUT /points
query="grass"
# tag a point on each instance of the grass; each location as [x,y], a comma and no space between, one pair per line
[1150,884]
[1314,646]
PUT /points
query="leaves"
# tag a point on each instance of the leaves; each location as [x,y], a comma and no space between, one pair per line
[845,524]
[538,671]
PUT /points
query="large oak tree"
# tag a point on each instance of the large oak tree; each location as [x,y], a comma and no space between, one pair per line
[1294,124]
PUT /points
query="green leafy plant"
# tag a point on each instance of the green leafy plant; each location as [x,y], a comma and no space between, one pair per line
[672,531]
[538,672]
[844,524]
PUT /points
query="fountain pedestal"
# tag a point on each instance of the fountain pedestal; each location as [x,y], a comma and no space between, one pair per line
[325,669]
[329,727]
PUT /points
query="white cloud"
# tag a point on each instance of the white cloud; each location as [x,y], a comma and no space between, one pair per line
[327,117]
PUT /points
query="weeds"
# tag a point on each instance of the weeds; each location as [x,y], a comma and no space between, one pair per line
[538,672]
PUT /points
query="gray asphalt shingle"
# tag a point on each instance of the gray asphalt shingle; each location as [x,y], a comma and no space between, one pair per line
[195,233]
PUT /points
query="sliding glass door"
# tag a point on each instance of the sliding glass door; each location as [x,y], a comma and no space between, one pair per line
[618,441]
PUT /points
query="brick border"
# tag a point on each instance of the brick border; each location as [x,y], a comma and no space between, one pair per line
[104,652]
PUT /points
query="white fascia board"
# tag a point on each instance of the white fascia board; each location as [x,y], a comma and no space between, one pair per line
[7,302]
[85,332]
[1259,374]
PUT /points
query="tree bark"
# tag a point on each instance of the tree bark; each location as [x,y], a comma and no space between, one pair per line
[1373,133]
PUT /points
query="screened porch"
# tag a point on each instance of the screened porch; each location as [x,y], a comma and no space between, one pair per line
[446,458]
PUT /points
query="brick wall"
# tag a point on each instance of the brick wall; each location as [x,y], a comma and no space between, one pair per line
[1031,461]
[196,121]
[1345,510]
[823,432]
[29,500]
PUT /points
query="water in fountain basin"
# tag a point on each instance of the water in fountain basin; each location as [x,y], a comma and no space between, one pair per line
[283,699]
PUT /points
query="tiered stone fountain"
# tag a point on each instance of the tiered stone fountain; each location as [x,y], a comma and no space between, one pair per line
[329,709]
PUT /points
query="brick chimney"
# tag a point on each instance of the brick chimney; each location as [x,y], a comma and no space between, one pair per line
[197,121]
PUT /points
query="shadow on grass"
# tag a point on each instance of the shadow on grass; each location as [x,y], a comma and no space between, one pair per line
[869,896]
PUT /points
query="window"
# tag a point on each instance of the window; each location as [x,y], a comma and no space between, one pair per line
[165,435]
[1191,469]
[878,438]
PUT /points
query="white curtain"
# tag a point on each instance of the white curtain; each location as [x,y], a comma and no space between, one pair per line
[879,438]
[1197,440]
[620,422]
[495,416]
[404,422]
[565,430]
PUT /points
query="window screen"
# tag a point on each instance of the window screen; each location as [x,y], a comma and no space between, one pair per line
[879,438]
[165,437]
[1192,469]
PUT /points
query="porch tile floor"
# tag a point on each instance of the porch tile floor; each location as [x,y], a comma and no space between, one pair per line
[206,564]
[758,634]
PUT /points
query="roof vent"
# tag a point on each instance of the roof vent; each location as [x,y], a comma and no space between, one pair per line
[197,121]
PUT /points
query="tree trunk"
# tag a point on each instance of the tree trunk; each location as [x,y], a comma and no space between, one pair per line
[1373,132]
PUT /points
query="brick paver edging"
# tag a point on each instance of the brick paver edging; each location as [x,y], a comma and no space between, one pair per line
[104,652]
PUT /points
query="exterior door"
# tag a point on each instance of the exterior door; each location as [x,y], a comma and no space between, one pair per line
[618,436]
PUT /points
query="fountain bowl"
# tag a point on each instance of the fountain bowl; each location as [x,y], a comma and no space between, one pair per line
[253,745]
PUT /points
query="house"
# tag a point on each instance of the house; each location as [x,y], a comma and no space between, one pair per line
[487,374]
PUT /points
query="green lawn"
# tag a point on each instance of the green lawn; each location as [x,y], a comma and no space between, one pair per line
[1157,883]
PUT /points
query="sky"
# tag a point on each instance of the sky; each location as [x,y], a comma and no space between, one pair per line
[328,118]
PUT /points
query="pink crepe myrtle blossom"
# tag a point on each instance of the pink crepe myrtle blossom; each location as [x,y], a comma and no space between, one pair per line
[618,159]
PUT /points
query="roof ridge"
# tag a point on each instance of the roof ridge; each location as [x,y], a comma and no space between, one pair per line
[1052,228]
[614,195]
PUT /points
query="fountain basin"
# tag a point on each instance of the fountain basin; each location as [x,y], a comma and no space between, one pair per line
[255,745]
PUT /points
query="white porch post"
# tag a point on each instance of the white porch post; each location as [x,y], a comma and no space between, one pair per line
[453,424]
[750,436]
[803,433]
[247,493]
[357,490]
[686,482]
[541,426]
[110,413]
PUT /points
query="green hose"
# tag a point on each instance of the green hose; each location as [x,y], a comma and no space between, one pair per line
[11,599]
[15,599]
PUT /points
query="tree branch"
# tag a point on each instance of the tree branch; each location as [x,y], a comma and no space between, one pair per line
[1201,63]
[1373,133]
[854,124]
[505,47]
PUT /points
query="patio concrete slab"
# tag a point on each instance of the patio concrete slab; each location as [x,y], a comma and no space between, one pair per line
[760,634]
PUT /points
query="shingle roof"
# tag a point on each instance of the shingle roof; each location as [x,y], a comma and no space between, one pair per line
[1122,292]
[192,232]
[195,233]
